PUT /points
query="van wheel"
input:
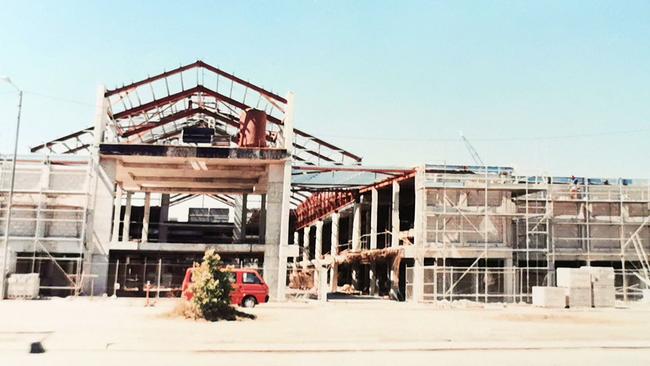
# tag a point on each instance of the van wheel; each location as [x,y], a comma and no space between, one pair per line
[249,302]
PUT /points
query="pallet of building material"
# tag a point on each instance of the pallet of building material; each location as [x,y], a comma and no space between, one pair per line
[578,297]
[11,261]
[549,297]
[603,296]
[601,276]
[23,286]
[573,278]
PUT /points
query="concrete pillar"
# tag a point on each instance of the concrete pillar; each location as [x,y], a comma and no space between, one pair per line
[419,236]
[117,208]
[372,277]
[356,227]
[356,243]
[241,214]
[322,283]
[296,241]
[145,218]
[374,208]
[305,243]
[334,250]
[319,240]
[508,280]
[262,228]
[394,241]
[164,217]
[126,230]
[277,229]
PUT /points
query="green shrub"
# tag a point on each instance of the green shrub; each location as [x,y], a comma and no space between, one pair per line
[211,288]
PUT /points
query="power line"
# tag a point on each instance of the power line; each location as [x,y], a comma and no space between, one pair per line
[495,139]
[60,99]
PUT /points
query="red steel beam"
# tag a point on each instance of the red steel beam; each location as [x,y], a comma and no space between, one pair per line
[197,64]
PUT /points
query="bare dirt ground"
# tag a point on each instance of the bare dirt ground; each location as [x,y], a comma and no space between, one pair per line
[377,332]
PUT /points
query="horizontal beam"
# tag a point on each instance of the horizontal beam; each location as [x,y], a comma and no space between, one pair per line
[191,173]
[211,166]
[219,181]
[188,190]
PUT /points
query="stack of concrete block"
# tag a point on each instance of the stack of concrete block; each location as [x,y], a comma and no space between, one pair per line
[549,297]
[23,286]
[11,262]
[577,285]
[602,286]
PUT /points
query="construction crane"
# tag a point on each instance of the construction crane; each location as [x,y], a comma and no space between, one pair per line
[472,151]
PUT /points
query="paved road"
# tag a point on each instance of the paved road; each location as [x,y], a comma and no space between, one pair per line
[114,332]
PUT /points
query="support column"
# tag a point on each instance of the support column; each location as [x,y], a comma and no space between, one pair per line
[277,229]
[145,218]
[374,208]
[319,270]
[356,242]
[126,230]
[296,241]
[319,240]
[305,244]
[241,214]
[419,236]
[508,280]
[356,227]
[117,209]
[164,217]
[334,250]
[262,228]
[394,241]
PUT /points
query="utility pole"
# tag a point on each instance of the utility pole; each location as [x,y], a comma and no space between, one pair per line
[3,278]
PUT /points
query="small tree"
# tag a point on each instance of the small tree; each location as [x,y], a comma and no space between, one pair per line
[211,288]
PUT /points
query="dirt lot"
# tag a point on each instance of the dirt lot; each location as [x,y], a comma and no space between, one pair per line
[113,331]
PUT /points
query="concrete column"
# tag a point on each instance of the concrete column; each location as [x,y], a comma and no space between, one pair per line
[334,250]
[356,227]
[262,228]
[145,218]
[319,240]
[356,243]
[296,241]
[305,243]
[126,230]
[241,214]
[277,229]
[164,217]
[117,208]
[419,236]
[394,241]
[374,208]
[394,280]
[372,277]
[508,280]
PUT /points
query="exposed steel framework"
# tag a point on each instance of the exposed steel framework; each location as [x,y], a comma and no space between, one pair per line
[155,110]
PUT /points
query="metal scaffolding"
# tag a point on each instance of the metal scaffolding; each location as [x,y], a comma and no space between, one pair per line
[49,218]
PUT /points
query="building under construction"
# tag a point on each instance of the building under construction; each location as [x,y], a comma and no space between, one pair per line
[197,158]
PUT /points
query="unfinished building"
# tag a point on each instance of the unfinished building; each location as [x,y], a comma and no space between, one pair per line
[197,158]
[93,214]
[476,233]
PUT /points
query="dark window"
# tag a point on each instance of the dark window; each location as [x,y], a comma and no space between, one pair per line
[250,278]
[232,277]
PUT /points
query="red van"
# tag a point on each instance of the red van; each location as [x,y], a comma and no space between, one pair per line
[248,287]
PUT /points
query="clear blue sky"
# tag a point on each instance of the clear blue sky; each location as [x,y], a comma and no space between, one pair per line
[391,81]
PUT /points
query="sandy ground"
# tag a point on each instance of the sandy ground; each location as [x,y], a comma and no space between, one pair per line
[377,332]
